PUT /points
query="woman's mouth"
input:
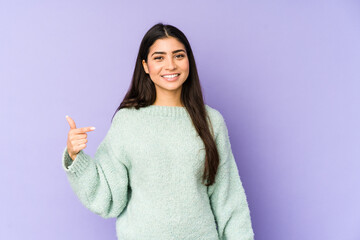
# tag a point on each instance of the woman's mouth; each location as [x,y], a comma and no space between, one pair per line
[171,77]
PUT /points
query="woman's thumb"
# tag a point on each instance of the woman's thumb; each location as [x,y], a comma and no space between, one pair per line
[71,122]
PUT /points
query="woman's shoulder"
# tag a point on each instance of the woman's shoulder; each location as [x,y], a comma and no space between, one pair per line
[214,114]
[122,115]
[216,118]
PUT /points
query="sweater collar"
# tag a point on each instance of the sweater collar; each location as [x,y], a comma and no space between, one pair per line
[167,111]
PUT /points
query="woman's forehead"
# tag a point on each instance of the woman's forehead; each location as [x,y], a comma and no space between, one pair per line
[166,45]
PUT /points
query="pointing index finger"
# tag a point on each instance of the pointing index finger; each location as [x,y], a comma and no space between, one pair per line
[86,129]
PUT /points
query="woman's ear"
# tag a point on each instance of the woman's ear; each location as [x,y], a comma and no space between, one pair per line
[145,66]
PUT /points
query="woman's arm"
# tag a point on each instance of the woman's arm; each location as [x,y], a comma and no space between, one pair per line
[227,195]
[101,183]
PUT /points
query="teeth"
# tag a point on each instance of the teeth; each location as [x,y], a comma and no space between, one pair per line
[171,76]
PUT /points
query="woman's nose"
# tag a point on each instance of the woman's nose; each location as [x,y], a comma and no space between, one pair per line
[170,64]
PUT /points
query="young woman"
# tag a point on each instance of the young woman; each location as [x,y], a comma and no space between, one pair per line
[165,168]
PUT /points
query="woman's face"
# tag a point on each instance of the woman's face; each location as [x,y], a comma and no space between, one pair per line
[167,64]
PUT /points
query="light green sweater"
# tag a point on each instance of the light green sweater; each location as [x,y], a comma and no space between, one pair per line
[147,173]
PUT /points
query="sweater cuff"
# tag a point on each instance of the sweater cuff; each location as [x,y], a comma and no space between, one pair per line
[77,166]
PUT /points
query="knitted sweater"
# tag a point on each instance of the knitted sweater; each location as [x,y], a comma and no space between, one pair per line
[147,173]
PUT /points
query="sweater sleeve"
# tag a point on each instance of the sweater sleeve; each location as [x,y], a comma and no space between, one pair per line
[101,183]
[227,195]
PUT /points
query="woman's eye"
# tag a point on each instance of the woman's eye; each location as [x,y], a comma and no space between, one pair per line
[177,56]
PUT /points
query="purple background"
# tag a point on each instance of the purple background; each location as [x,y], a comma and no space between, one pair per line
[284,74]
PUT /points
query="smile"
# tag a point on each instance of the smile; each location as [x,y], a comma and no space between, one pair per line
[171,76]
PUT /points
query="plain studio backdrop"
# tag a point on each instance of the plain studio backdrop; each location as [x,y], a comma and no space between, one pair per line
[284,74]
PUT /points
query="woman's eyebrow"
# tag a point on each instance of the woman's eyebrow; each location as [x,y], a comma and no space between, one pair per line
[179,50]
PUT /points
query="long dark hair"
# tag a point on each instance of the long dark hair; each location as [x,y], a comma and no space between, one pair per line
[142,93]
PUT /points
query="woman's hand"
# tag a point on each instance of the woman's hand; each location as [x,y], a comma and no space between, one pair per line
[76,138]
